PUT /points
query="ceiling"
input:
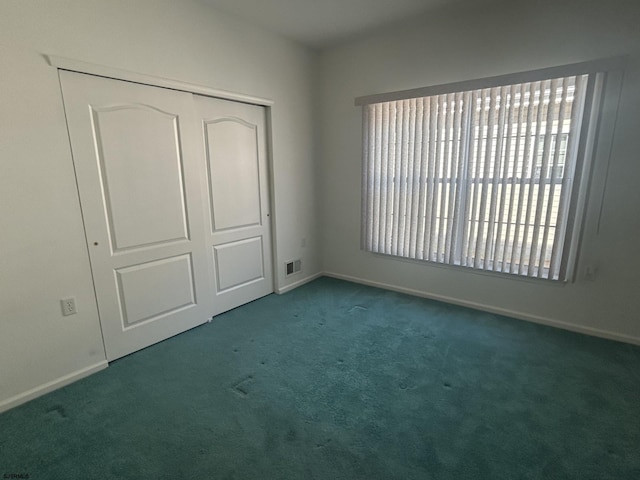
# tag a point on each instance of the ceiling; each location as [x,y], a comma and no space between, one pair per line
[322,23]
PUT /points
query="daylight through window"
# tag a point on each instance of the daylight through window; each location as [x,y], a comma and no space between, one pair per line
[478,178]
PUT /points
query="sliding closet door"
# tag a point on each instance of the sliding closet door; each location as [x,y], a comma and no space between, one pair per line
[136,152]
[239,227]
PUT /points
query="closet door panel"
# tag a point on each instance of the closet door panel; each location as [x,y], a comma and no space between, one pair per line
[234,172]
[141,185]
[129,163]
[235,148]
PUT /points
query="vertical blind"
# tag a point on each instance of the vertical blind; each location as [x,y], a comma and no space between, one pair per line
[478,178]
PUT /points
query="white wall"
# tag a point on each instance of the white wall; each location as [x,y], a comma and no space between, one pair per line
[453,45]
[43,253]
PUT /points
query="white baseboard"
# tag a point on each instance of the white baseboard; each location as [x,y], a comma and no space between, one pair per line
[595,332]
[51,386]
[75,376]
[299,283]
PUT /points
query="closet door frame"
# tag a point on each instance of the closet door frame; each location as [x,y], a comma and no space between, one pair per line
[62,63]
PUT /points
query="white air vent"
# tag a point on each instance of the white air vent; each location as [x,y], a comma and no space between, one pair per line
[293,267]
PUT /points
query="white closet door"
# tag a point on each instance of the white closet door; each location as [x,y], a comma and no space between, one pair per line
[141,181]
[239,233]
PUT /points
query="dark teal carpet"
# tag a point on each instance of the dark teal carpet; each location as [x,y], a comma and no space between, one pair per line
[340,381]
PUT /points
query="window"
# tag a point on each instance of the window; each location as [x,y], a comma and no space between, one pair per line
[486,177]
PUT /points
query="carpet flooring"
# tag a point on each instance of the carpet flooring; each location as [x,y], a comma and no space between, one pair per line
[341,381]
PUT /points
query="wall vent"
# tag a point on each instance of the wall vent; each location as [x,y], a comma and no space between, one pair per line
[293,267]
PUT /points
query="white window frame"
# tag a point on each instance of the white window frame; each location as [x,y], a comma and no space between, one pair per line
[598,72]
